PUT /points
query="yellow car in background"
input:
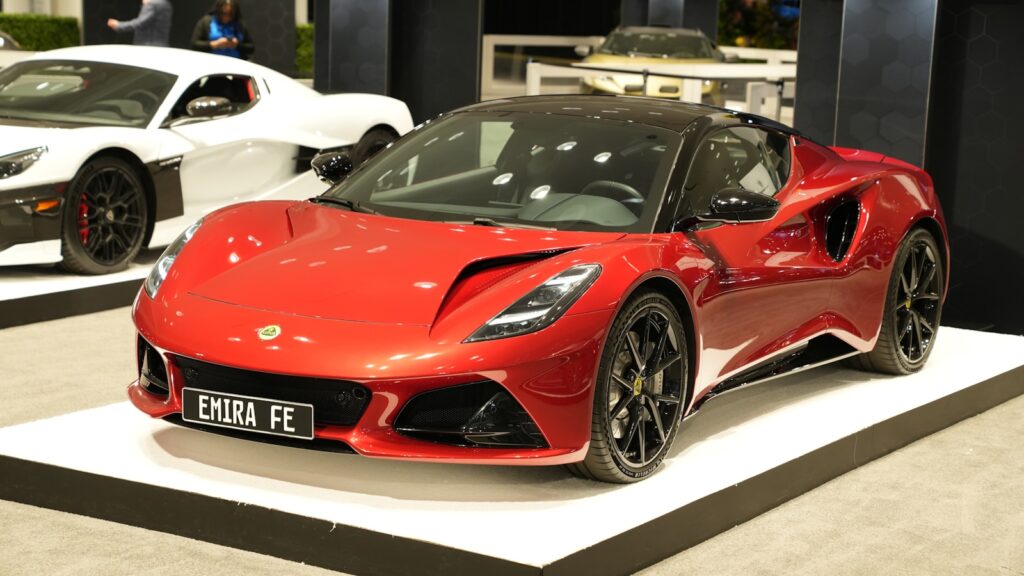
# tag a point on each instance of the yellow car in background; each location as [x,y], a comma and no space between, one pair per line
[639,45]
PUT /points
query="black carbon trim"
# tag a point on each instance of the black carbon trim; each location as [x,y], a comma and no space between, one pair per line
[20,223]
[166,177]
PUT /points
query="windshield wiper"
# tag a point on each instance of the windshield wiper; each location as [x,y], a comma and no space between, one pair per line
[343,202]
[484,221]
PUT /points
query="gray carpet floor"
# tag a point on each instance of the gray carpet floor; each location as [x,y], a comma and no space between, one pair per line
[952,503]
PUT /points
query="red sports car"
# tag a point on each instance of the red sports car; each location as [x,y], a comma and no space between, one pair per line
[541,280]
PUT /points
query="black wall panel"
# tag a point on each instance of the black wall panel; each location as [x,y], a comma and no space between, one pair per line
[272,25]
[665,12]
[975,154]
[562,17]
[700,14]
[817,83]
[351,46]
[885,67]
[435,61]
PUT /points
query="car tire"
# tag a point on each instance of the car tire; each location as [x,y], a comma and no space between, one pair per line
[105,217]
[913,308]
[372,142]
[646,342]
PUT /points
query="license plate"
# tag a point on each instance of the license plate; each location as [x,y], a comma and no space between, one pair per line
[247,413]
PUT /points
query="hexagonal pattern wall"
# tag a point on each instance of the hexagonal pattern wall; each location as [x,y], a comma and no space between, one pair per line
[817,80]
[975,154]
[884,63]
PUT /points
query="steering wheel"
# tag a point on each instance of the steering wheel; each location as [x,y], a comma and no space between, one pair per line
[146,95]
[615,190]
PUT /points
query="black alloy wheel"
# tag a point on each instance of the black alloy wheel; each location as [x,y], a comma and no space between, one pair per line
[105,218]
[913,308]
[917,310]
[640,393]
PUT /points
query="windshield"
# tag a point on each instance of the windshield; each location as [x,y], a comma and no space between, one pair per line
[521,169]
[91,93]
[666,44]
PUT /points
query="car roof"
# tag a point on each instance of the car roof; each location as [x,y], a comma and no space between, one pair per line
[172,60]
[659,112]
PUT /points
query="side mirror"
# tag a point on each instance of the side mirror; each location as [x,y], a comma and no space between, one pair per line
[332,167]
[208,106]
[730,58]
[739,205]
[583,50]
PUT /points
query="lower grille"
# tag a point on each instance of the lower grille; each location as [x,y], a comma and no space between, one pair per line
[335,402]
[478,414]
[152,372]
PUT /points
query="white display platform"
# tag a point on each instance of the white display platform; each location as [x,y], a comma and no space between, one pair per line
[18,282]
[35,293]
[743,453]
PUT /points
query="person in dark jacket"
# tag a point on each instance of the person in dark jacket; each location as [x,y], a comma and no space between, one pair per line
[152,27]
[223,31]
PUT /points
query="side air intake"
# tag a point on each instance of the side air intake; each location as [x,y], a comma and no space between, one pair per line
[840,226]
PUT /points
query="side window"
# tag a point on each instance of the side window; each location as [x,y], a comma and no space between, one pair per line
[778,155]
[241,91]
[745,157]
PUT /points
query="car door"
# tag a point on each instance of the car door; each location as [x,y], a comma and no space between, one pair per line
[229,157]
[770,284]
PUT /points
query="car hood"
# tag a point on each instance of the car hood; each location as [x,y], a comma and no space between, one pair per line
[343,265]
[17,135]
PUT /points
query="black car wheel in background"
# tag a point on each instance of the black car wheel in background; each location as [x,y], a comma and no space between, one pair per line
[105,217]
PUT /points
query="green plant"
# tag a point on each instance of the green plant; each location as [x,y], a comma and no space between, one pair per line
[304,49]
[756,24]
[39,32]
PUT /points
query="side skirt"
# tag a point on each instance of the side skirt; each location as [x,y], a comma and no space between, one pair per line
[817,351]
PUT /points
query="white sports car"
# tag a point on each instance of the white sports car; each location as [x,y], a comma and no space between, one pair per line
[106,149]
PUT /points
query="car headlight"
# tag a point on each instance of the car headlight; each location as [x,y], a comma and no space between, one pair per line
[163,266]
[542,306]
[14,164]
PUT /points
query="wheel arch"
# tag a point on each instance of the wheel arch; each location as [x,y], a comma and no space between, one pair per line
[148,186]
[663,284]
[933,227]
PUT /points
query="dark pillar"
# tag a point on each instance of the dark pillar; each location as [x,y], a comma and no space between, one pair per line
[882,83]
[885,70]
[817,73]
[634,13]
[703,15]
[665,13]
[975,151]
[700,14]
[435,59]
[351,46]
[424,52]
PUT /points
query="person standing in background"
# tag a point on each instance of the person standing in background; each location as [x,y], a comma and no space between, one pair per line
[152,27]
[223,31]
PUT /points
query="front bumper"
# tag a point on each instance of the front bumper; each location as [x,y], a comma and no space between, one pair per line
[31,214]
[549,373]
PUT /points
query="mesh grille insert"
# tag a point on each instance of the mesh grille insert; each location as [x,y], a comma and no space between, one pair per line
[335,402]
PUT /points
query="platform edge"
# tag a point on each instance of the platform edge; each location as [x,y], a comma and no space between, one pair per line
[707,517]
[243,526]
